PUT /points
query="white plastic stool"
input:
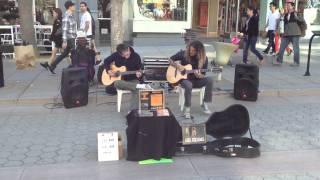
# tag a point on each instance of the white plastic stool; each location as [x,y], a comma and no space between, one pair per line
[119,97]
[181,95]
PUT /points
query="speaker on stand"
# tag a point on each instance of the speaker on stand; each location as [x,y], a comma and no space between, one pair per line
[246,82]
[1,72]
[74,87]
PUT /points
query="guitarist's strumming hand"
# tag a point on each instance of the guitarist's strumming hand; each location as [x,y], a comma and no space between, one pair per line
[111,73]
[198,74]
[139,74]
[176,65]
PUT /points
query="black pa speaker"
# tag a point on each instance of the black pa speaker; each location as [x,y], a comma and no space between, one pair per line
[1,71]
[246,82]
[74,87]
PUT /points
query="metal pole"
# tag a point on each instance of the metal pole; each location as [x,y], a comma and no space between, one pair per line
[1,71]
[226,18]
[309,53]
[238,9]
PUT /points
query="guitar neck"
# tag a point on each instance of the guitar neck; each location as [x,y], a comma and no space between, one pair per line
[128,73]
[203,70]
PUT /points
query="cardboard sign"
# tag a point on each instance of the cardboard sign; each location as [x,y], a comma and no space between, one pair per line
[194,134]
[108,146]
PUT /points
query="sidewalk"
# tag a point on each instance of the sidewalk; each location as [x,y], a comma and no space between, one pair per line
[37,142]
[38,85]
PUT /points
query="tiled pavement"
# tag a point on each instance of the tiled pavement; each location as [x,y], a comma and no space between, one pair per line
[41,143]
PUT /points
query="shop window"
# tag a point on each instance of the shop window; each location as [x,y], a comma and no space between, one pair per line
[44,10]
[164,10]
[8,12]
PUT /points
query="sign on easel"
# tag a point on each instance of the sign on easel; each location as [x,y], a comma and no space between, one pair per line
[108,146]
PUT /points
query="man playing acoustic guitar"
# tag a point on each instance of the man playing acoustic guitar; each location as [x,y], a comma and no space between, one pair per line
[194,55]
[125,58]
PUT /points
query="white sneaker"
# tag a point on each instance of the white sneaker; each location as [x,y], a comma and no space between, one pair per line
[205,108]
[143,86]
[187,114]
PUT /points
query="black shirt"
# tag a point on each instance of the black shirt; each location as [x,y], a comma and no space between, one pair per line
[180,56]
[56,35]
[251,27]
[133,63]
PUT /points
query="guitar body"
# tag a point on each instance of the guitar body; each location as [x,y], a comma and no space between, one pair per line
[174,75]
[107,79]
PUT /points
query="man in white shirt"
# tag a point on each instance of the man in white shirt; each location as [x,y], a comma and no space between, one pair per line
[88,26]
[85,20]
[272,25]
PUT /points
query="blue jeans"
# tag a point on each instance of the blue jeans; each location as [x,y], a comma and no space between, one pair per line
[250,42]
[296,49]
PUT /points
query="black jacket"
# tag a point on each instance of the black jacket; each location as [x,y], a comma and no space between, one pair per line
[253,27]
[132,64]
[56,34]
[180,56]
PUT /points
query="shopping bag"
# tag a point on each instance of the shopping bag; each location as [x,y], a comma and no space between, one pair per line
[24,56]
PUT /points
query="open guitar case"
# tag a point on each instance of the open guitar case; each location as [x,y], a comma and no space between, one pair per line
[228,127]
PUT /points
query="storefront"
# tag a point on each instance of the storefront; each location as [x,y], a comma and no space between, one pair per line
[162,16]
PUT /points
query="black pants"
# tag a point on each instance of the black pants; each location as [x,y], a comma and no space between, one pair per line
[65,53]
[187,85]
[271,44]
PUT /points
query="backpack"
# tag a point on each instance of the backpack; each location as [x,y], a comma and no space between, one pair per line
[303,27]
[93,26]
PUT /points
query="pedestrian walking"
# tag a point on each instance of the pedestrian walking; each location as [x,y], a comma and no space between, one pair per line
[56,37]
[272,26]
[69,33]
[292,33]
[250,33]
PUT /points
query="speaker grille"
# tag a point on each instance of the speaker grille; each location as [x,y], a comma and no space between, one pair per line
[74,87]
[246,82]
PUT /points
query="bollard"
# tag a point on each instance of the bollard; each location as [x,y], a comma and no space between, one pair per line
[1,72]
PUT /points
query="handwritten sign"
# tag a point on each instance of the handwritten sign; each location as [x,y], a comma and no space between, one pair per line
[108,146]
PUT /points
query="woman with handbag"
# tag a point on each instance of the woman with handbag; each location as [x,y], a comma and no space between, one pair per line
[56,36]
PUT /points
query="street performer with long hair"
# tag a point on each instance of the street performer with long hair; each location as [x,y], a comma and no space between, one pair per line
[195,55]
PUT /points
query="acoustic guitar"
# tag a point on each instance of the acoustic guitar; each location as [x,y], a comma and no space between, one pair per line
[174,75]
[107,80]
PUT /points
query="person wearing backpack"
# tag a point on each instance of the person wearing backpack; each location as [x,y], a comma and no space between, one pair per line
[294,28]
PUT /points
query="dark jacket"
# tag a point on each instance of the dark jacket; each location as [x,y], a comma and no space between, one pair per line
[291,27]
[253,27]
[132,64]
[180,56]
[56,34]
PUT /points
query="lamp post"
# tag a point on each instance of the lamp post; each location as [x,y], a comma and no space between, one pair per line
[1,72]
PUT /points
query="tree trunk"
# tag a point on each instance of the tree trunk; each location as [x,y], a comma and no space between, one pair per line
[26,21]
[116,24]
